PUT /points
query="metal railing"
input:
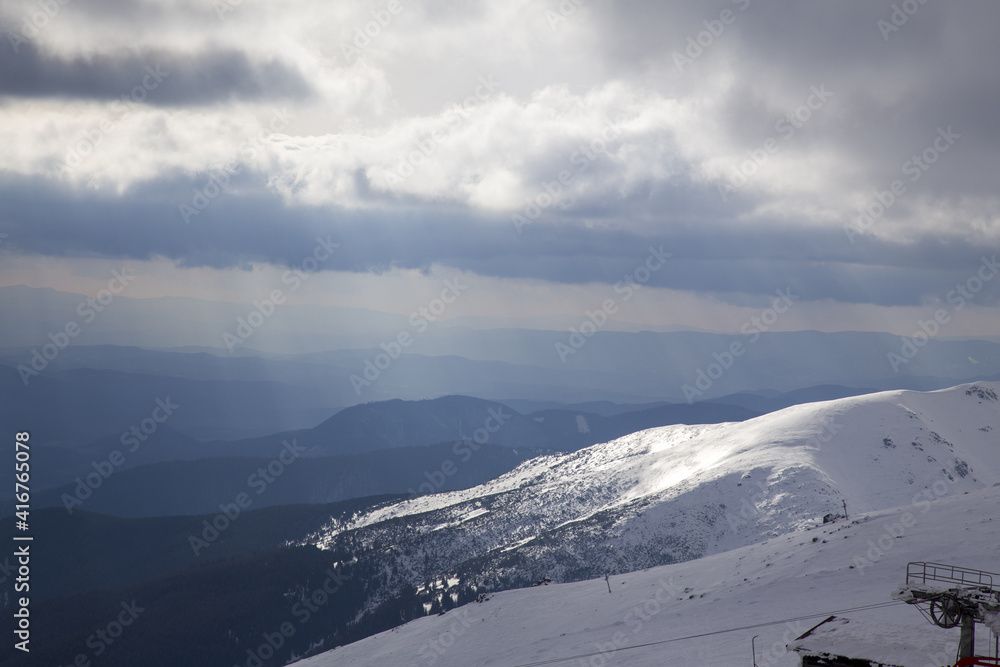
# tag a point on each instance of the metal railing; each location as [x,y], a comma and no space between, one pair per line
[922,573]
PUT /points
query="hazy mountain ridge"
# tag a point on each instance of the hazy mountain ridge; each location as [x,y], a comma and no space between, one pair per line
[464,423]
[493,363]
[464,419]
[389,447]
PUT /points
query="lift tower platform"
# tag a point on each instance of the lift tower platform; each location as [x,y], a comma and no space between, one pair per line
[950,596]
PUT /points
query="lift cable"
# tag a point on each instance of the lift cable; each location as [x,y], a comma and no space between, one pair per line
[553,661]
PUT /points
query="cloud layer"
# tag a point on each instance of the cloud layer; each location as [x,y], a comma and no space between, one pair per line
[847,151]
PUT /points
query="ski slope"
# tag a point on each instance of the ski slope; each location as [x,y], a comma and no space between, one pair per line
[735,507]
[785,577]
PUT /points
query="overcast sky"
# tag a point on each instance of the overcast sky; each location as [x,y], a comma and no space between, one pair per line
[535,150]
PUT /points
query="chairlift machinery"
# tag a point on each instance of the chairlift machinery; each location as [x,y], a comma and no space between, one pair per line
[950,596]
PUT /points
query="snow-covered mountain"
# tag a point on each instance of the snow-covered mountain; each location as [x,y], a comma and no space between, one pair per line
[678,493]
[706,611]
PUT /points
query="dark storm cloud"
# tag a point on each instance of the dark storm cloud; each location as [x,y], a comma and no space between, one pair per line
[129,14]
[137,12]
[733,261]
[207,77]
[893,87]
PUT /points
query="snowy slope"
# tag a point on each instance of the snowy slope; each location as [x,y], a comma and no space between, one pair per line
[677,493]
[812,572]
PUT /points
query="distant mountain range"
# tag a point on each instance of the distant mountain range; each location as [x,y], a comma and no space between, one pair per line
[386,447]
[398,423]
[305,357]
[245,406]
